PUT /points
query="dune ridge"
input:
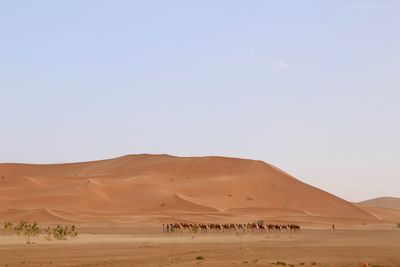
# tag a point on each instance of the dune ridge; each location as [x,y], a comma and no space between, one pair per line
[383,202]
[152,187]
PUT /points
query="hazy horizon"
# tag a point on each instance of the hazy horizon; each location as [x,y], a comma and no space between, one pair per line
[310,87]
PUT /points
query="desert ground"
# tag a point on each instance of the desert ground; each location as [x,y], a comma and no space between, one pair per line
[119,206]
[310,247]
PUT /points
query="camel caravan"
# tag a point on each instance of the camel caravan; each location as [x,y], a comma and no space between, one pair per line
[228,227]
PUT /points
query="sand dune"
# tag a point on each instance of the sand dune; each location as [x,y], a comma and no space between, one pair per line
[383,202]
[382,213]
[154,186]
[42,215]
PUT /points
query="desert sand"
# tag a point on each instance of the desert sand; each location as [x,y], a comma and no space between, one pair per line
[119,206]
[383,202]
[308,248]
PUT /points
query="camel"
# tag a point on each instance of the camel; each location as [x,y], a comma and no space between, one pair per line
[228,227]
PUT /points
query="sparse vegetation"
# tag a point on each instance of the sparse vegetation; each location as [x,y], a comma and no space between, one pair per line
[61,232]
[398,225]
[199,258]
[29,230]
[23,228]
[8,226]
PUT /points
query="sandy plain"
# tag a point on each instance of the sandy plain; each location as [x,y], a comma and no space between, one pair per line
[152,247]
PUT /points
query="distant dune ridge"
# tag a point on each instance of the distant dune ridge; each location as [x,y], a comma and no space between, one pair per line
[157,188]
[383,202]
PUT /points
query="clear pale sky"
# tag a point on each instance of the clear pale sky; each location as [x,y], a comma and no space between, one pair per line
[312,87]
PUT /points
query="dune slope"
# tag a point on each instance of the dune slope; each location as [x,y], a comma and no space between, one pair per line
[144,185]
[383,202]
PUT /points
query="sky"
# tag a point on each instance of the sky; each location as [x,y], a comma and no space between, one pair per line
[312,87]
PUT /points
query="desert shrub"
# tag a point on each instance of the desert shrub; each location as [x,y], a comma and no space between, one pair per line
[199,258]
[23,228]
[398,225]
[8,227]
[48,235]
[61,232]
[28,230]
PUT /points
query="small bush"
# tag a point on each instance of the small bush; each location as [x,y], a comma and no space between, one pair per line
[398,225]
[61,232]
[199,258]
[8,227]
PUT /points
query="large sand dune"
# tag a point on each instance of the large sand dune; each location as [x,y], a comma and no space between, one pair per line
[161,188]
